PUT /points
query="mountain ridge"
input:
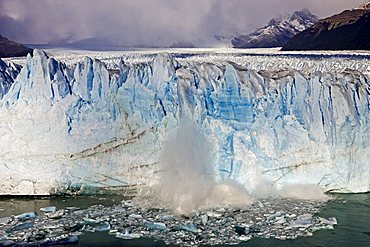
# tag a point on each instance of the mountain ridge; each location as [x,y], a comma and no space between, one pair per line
[277,32]
[348,30]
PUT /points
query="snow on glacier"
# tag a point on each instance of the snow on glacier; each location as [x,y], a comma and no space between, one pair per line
[86,126]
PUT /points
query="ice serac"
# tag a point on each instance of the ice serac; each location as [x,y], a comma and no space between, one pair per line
[8,73]
[86,128]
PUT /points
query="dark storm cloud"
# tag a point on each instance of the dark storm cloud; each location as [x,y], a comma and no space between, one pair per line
[151,22]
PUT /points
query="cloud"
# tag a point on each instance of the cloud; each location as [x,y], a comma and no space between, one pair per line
[150,22]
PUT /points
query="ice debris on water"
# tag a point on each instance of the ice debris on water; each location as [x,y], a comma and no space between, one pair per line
[305,220]
[329,221]
[268,218]
[26,216]
[51,209]
[127,235]
[103,227]
[189,227]
[155,226]
[21,227]
[55,215]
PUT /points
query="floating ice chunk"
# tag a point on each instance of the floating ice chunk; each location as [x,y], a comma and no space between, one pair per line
[133,217]
[275,215]
[167,217]
[303,221]
[280,220]
[127,235]
[103,227]
[204,219]
[5,220]
[90,221]
[22,227]
[244,238]
[61,240]
[329,221]
[155,226]
[241,230]
[190,227]
[212,214]
[51,209]
[55,215]
[6,243]
[26,216]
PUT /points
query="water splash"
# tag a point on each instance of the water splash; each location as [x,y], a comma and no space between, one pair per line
[188,179]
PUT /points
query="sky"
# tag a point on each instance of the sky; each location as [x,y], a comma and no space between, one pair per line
[146,22]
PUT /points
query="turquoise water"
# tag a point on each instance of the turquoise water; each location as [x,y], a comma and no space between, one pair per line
[351,211]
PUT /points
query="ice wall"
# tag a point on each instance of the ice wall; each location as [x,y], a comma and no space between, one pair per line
[8,73]
[84,127]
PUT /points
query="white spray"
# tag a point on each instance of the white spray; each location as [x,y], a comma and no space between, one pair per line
[188,179]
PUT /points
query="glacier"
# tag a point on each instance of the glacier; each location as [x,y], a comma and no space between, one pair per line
[8,73]
[87,127]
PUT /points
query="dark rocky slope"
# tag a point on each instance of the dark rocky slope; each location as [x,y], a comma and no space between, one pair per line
[10,48]
[349,30]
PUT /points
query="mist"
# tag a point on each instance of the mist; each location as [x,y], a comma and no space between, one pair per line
[189,179]
[144,22]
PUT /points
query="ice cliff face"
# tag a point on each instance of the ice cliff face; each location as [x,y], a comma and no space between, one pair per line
[84,126]
[8,73]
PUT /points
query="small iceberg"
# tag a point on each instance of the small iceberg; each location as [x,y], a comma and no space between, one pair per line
[51,209]
[26,216]
[127,235]
[155,226]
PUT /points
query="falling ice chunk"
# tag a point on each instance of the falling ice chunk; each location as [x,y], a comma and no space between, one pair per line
[26,216]
[51,209]
[155,226]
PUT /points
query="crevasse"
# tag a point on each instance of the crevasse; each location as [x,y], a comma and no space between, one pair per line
[85,127]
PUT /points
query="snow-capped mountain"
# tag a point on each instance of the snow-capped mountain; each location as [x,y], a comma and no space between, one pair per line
[277,32]
[85,128]
[348,30]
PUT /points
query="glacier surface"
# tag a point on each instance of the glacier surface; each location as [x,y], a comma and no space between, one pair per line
[86,125]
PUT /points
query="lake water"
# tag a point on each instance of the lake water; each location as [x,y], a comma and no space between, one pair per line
[351,211]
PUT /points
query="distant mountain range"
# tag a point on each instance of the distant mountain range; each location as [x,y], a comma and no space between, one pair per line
[349,30]
[10,48]
[277,32]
